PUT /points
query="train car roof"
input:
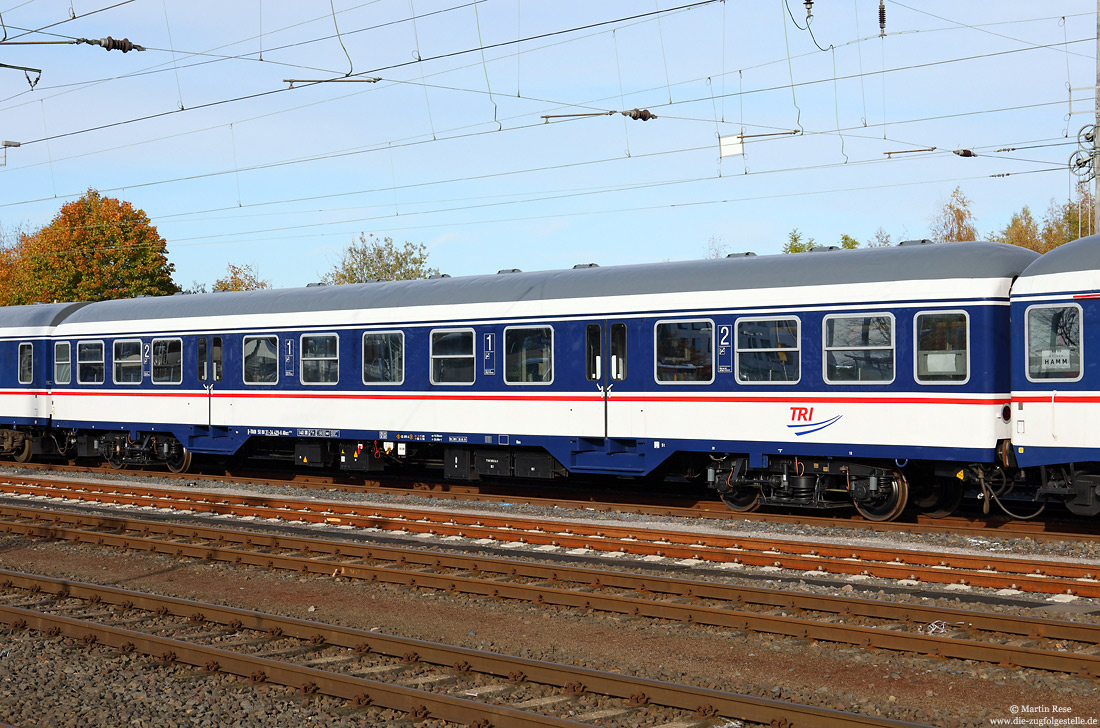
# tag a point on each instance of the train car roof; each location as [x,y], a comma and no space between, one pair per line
[906,262]
[38,314]
[1080,255]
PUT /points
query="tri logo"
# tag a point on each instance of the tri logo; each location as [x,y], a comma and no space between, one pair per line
[802,421]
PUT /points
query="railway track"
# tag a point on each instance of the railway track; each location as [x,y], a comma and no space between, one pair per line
[909,566]
[418,678]
[978,526]
[1030,642]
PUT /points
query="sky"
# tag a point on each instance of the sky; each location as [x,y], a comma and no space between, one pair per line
[425,121]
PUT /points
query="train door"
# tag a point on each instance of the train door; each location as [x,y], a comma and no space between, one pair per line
[605,365]
[210,370]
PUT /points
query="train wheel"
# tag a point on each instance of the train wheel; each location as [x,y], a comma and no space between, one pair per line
[742,500]
[887,506]
[180,463]
[945,496]
[115,461]
[23,454]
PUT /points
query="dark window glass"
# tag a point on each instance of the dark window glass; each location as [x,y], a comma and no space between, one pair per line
[26,363]
[383,358]
[452,355]
[1054,342]
[592,345]
[320,359]
[128,361]
[859,349]
[528,355]
[89,362]
[768,350]
[261,360]
[685,351]
[62,364]
[216,355]
[941,347]
[618,352]
[202,358]
[167,361]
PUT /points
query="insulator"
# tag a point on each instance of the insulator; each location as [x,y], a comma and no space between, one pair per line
[881,18]
[110,44]
[640,114]
[965,153]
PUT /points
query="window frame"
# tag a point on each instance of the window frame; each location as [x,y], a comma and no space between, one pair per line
[856,382]
[737,351]
[19,362]
[1027,342]
[102,360]
[115,362]
[153,364]
[613,357]
[916,349]
[69,361]
[302,359]
[362,368]
[432,355]
[504,355]
[244,360]
[713,351]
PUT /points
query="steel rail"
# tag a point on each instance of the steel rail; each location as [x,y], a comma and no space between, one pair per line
[639,691]
[350,687]
[726,617]
[1025,574]
[995,525]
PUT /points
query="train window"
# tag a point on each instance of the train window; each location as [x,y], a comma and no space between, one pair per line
[767,350]
[1053,342]
[201,355]
[26,363]
[618,352]
[452,354]
[89,362]
[261,359]
[216,357]
[383,357]
[529,355]
[592,351]
[128,361]
[859,349]
[167,361]
[942,347]
[684,351]
[320,359]
[62,363]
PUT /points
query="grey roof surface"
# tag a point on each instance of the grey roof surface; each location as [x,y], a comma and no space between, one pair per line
[1081,254]
[908,262]
[40,314]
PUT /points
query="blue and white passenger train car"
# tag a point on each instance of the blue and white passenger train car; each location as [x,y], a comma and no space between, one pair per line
[875,377]
[1056,385]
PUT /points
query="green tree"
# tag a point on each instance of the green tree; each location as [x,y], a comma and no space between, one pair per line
[379,259]
[847,242]
[240,278]
[95,248]
[955,222]
[795,244]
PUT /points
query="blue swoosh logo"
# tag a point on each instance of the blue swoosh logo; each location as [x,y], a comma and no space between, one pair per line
[808,427]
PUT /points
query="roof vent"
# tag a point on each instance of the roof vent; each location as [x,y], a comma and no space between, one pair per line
[922,241]
[824,248]
[508,270]
[316,284]
[746,254]
[578,266]
[434,276]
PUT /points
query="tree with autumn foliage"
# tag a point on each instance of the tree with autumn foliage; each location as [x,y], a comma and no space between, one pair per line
[955,222]
[241,278]
[378,259]
[96,248]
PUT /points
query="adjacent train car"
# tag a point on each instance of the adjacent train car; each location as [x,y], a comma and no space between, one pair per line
[816,380]
[1056,380]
